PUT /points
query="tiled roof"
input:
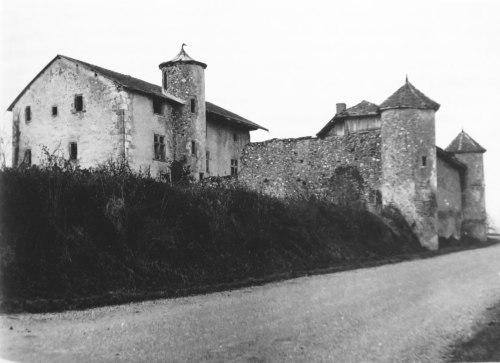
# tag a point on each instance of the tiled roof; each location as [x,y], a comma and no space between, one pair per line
[409,97]
[147,88]
[127,81]
[362,108]
[450,159]
[463,143]
[182,57]
[214,109]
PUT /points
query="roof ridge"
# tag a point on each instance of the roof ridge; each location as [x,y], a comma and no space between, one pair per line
[141,86]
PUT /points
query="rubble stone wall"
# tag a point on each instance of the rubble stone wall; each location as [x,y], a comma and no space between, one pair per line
[474,208]
[409,180]
[449,200]
[312,166]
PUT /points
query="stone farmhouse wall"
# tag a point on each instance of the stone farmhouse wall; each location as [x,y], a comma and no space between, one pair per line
[336,167]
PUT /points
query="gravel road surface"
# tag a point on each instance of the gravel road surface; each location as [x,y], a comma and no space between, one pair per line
[406,312]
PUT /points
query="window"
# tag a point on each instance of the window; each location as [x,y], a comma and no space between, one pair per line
[157,106]
[234,167]
[73,151]
[424,160]
[193,105]
[208,161]
[165,82]
[54,111]
[78,103]
[159,144]
[27,113]
[201,176]
[235,136]
[27,157]
[193,147]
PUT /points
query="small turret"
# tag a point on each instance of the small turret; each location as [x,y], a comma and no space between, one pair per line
[471,153]
[409,180]
[184,78]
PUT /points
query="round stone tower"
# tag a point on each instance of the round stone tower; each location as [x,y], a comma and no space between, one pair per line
[409,179]
[471,153]
[184,79]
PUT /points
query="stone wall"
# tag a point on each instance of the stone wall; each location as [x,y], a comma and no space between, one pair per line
[313,166]
[474,209]
[449,199]
[98,130]
[223,147]
[144,126]
[187,82]
[409,180]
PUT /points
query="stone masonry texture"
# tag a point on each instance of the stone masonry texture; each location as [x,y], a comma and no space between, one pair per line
[409,179]
[312,166]
[449,199]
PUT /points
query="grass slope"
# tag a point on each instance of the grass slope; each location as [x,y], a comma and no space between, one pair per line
[69,233]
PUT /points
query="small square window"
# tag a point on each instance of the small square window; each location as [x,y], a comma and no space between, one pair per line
[78,103]
[159,147]
[54,111]
[73,151]
[157,106]
[27,113]
[234,167]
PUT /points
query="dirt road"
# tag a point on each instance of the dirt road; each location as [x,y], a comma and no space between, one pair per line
[407,312]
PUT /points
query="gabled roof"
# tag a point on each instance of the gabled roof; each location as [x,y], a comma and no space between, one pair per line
[184,58]
[141,86]
[361,109]
[216,110]
[364,108]
[463,143]
[127,81]
[450,159]
[409,97]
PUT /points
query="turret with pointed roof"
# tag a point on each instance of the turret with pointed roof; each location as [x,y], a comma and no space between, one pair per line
[184,78]
[470,153]
[409,97]
[182,57]
[463,143]
[408,139]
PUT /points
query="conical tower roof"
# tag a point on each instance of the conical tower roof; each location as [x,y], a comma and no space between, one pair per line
[409,97]
[182,57]
[463,143]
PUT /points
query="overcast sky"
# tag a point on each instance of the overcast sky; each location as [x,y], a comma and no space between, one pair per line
[283,64]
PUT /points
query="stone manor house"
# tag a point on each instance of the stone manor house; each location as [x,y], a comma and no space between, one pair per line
[382,154]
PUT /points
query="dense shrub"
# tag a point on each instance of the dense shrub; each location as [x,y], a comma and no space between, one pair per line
[72,232]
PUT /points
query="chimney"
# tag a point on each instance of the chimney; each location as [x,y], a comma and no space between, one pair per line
[340,107]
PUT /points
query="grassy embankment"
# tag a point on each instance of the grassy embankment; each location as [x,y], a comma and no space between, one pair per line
[67,234]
